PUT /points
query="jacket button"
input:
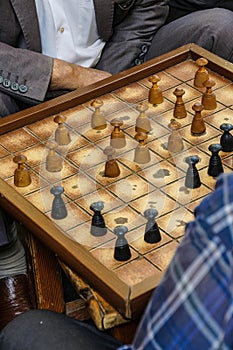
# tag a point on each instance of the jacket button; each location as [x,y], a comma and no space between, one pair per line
[23,88]
[137,62]
[14,86]
[144,49]
[6,83]
[141,56]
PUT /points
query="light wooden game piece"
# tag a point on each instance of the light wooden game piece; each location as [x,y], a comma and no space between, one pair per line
[111,167]
[192,179]
[53,160]
[202,73]
[152,232]
[22,177]
[179,111]
[226,140]
[117,139]
[155,93]
[142,121]
[142,152]
[98,121]
[175,142]
[198,125]
[58,211]
[215,167]
[208,97]
[62,136]
[122,251]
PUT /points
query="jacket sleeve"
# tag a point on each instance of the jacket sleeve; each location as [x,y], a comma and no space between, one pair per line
[132,36]
[24,74]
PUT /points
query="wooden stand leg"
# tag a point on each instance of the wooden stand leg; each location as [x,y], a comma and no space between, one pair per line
[46,274]
[125,332]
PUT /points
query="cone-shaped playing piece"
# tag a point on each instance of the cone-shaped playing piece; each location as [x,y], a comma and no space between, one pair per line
[175,142]
[198,125]
[208,98]
[111,167]
[155,93]
[117,139]
[98,227]
[53,160]
[226,140]
[215,164]
[142,152]
[179,111]
[22,177]
[58,206]
[98,121]
[152,232]
[142,121]
[122,251]
[192,179]
[62,136]
[202,73]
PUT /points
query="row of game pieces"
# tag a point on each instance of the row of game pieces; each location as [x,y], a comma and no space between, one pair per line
[122,250]
[98,227]
[22,177]
[142,128]
[117,139]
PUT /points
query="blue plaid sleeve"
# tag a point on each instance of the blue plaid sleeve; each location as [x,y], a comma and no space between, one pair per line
[192,308]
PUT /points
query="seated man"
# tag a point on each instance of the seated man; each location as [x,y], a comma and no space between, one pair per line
[190,309]
[51,46]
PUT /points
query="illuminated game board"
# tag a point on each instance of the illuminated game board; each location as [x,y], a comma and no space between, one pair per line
[155,185]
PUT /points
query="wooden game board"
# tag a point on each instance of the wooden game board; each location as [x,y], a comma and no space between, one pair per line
[158,184]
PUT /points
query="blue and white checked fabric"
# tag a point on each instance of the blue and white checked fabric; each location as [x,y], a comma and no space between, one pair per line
[192,308]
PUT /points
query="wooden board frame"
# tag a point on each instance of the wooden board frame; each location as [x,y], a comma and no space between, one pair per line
[130,301]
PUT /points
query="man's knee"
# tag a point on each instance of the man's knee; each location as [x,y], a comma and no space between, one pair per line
[217,26]
[44,329]
[210,29]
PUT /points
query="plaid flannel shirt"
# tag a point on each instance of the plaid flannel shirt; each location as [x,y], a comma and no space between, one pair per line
[192,308]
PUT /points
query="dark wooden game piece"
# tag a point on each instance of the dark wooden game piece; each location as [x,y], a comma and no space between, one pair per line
[202,73]
[175,142]
[226,140]
[152,232]
[198,125]
[208,98]
[111,167]
[98,227]
[142,152]
[142,121]
[122,251]
[62,136]
[192,179]
[58,211]
[215,167]
[53,160]
[179,111]
[155,93]
[22,177]
[117,139]
[98,121]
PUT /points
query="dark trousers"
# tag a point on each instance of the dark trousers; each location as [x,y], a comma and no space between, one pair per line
[47,330]
[210,29]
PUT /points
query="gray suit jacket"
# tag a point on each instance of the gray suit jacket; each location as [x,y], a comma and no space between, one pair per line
[128,27]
